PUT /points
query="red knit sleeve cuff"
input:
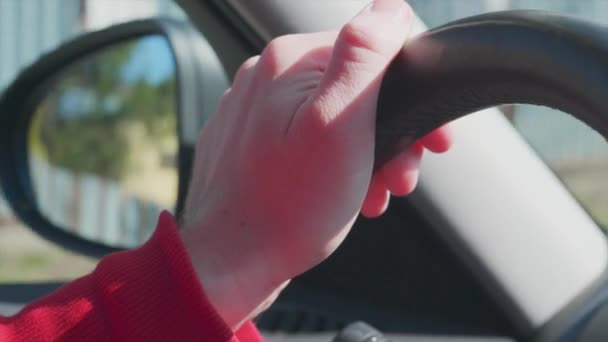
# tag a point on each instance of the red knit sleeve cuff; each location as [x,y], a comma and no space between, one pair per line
[147,294]
[170,243]
[154,292]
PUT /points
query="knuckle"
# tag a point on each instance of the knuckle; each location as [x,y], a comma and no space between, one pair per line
[249,63]
[272,51]
[358,41]
[225,98]
[357,35]
[277,51]
[246,67]
[269,60]
[283,41]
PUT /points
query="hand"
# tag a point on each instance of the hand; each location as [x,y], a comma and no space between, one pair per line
[285,165]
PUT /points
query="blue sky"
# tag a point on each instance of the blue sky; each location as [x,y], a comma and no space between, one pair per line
[151,60]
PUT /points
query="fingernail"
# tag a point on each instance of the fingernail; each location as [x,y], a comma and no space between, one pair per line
[397,8]
[387,6]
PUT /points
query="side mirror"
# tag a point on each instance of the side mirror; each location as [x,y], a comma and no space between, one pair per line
[97,137]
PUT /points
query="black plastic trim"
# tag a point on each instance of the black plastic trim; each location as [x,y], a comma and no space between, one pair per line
[23,293]
[229,35]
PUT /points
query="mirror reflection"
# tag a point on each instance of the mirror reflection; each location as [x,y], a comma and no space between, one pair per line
[103,143]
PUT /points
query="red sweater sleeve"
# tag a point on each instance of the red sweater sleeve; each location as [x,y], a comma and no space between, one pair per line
[147,294]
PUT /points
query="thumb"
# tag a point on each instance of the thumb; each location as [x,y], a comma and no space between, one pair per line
[362,52]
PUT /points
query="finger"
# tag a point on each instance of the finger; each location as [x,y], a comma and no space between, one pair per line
[362,52]
[439,140]
[400,174]
[377,198]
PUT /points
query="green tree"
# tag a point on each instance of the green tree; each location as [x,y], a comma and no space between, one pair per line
[94,133]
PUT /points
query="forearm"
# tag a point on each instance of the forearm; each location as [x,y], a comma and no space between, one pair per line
[238,282]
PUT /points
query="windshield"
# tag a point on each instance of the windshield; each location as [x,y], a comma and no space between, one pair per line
[577,154]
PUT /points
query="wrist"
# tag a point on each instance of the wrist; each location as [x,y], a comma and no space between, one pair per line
[236,282]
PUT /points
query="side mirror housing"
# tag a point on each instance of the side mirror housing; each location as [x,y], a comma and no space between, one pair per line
[97,137]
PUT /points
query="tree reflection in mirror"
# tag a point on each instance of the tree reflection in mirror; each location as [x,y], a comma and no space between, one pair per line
[103,143]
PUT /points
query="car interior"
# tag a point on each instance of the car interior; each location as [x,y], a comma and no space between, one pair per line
[494,244]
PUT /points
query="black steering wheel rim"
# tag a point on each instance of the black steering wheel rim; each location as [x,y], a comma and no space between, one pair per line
[527,57]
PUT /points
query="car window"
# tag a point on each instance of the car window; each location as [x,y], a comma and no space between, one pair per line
[29,28]
[576,153]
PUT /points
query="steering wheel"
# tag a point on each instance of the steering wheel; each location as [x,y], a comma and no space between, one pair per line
[527,57]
